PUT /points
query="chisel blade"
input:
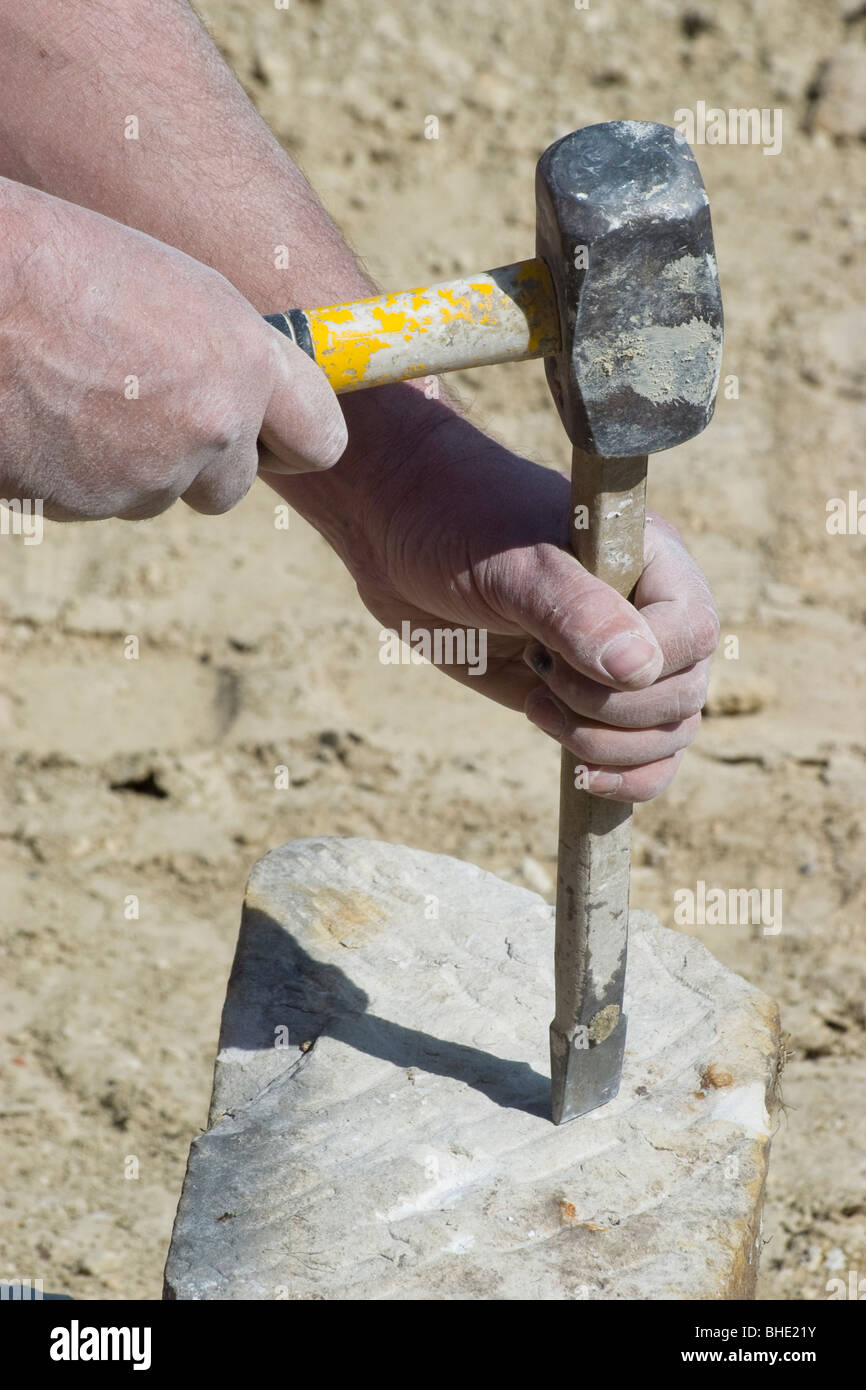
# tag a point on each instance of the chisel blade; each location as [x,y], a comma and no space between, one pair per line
[587,1035]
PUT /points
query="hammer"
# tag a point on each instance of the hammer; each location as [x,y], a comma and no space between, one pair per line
[622,301]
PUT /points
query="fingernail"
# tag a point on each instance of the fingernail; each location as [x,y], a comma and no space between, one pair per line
[604,783]
[628,656]
[549,716]
[539,659]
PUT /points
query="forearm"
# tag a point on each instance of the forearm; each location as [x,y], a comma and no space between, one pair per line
[205,174]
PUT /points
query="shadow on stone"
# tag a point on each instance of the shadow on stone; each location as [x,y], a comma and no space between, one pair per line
[315,999]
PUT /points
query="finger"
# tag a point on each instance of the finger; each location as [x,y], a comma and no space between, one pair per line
[492,666]
[507,681]
[155,505]
[598,744]
[670,699]
[674,598]
[303,429]
[220,486]
[632,783]
[583,620]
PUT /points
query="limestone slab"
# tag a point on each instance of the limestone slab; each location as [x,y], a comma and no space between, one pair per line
[380,1127]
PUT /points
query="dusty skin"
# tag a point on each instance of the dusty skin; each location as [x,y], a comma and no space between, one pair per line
[154,779]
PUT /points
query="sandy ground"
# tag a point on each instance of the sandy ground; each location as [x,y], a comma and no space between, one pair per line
[154,777]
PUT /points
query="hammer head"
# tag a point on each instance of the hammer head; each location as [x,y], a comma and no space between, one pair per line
[624,227]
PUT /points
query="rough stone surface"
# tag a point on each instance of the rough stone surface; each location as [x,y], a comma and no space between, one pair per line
[839,109]
[379,1125]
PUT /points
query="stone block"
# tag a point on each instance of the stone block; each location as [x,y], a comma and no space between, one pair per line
[380,1122]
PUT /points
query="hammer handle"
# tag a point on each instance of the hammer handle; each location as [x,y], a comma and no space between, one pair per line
[503,315]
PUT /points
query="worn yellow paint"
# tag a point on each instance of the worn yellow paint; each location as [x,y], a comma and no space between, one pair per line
[344,355]
[390,323]
[539,301]
[505,315]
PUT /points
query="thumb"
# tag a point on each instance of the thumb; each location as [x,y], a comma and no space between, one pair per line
[303,428]
[586,622]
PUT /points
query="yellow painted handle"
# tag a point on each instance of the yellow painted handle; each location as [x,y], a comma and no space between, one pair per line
[503,315]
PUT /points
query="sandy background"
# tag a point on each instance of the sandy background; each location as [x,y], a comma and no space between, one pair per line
[155,777]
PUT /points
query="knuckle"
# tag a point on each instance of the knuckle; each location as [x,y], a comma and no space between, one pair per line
[221,487]
[225,435]
[691,693]
[640,709]
[666,526]
[586,744]
[689,729]
[706,631]
[700,687]
[149,503]
[217,424]
[594,612]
